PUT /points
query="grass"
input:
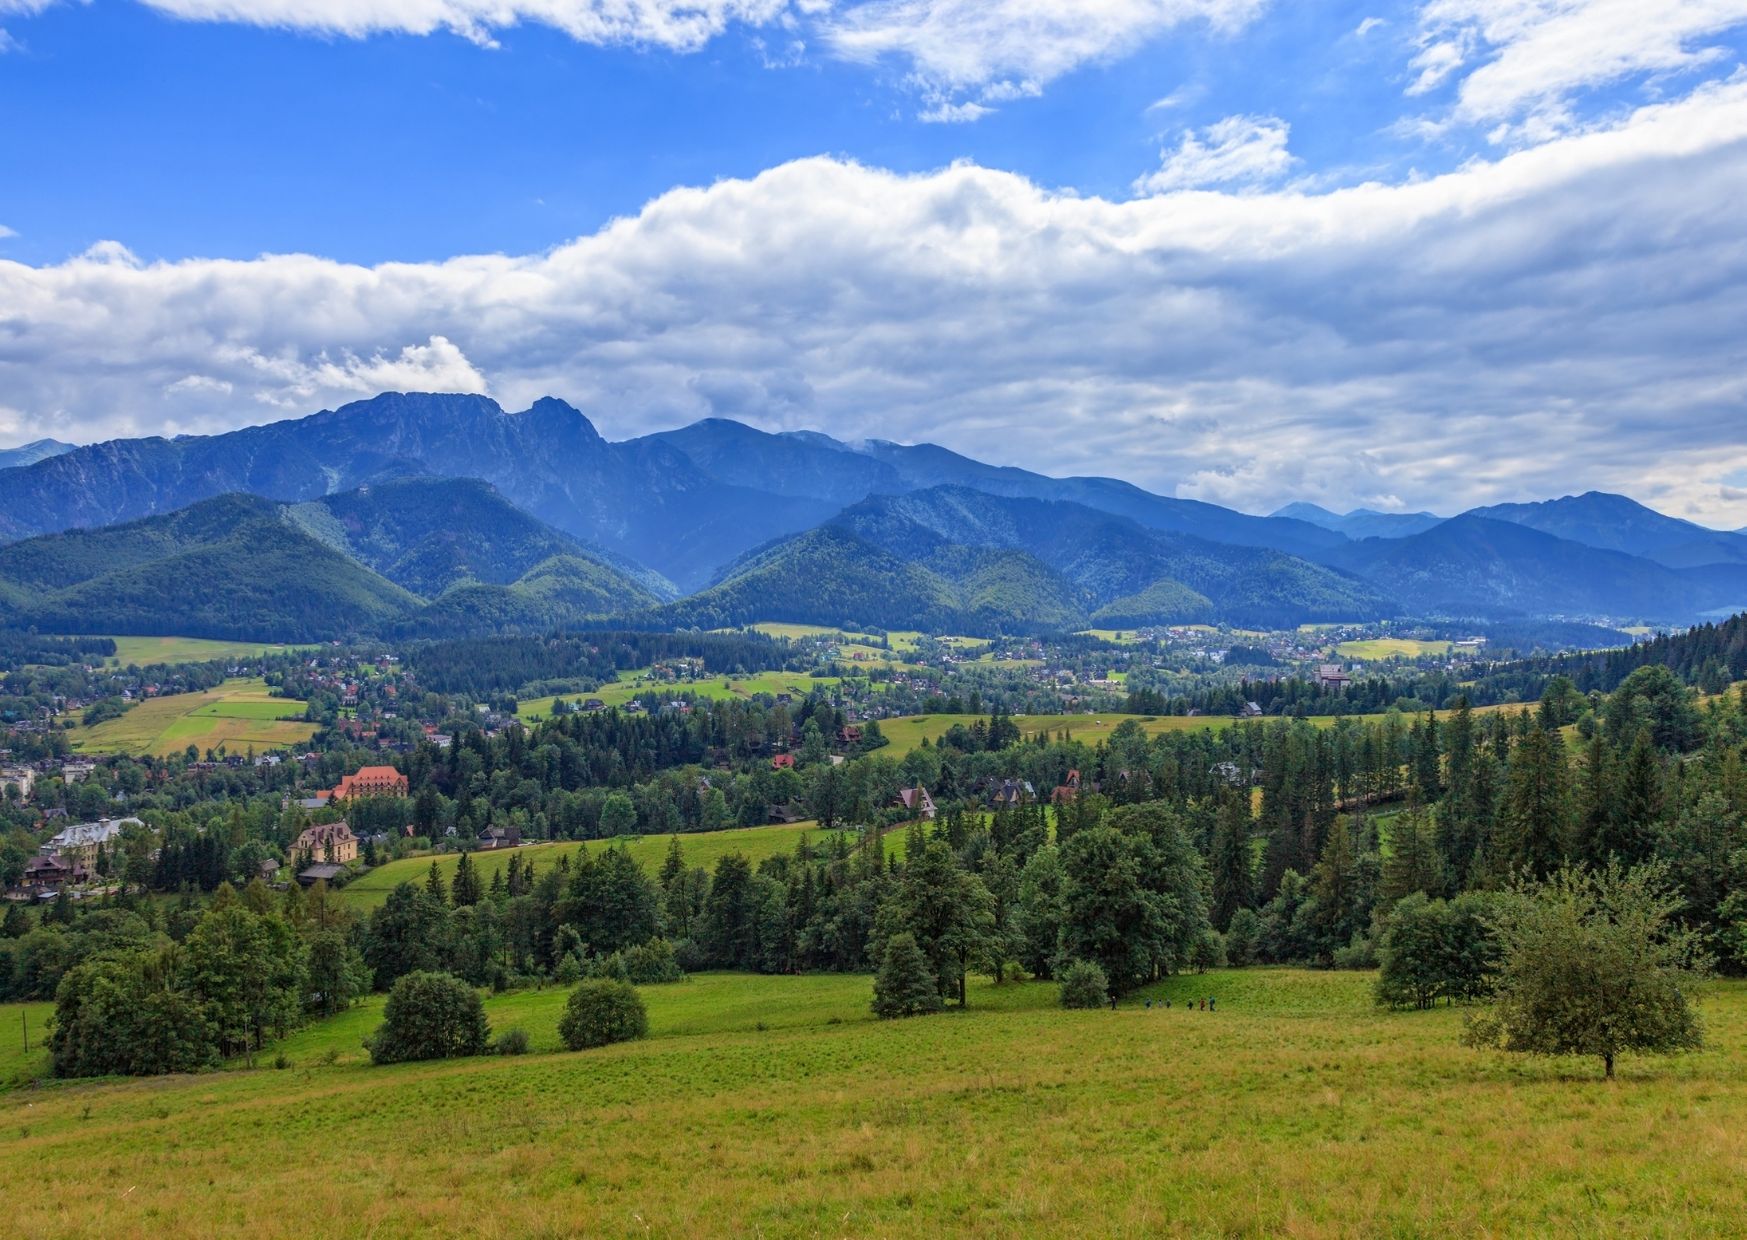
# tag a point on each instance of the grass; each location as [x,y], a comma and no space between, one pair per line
[703,848]
[907,733]
[143,651]
[1380,648]
[238,714]
[16,1021]
[1296,1109]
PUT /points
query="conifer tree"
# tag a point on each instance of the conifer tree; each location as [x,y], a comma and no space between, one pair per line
[905,985]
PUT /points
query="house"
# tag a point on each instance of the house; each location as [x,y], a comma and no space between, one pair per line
[500,837]
[73,772]
[1067,790]
[1012,793]
[46,873]
[369,781]
[918,802]
[849,734]
[1332,676]
[324,872]
[269,870]
[1252,710]
[79,843]
[781,813]
[330,842]
[783,762]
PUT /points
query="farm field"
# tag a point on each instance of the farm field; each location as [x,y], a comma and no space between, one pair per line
[239,714]
[1295,1109]
[144,651]
[700,848]
[1380,648]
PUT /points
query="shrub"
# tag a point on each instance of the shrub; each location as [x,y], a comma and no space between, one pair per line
[1084,985]
[651,963]
[430,1016]
[905,985]
[1242,938]
[512,1042]
[603,1011]
[569,971]
[1208,950]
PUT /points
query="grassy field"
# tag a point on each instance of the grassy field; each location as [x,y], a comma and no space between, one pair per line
[239,714]
[17,1020]
[147,650]
[703,848]
[906,733]
[1380,648]
[1296,1109]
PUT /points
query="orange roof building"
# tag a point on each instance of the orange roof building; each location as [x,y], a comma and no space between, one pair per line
[370,781]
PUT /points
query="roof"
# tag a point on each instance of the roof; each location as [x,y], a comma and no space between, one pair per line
[89,834]
[321,872]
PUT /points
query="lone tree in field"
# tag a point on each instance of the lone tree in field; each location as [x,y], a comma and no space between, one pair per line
[602,1011]
[430,1016]
[1590,963]
[905,985]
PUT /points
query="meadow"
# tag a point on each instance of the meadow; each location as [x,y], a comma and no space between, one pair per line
[774,1106]
[1377,649]
[239,714]
[144,651]
[700,848]
[907,733]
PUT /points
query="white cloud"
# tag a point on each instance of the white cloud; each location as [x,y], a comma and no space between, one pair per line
[1241,151]
[1368,25]
[1534,55]
[682,25]
[985,50]
[1562,317]
[6,232]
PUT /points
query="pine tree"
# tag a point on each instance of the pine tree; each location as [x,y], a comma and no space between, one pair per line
[1231,862]
[1537,805]
[465,890]
[905,985]
[434,885]
[1638,799]
[1413,863]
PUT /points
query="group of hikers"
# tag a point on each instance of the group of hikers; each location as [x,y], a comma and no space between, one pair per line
[1209,1004]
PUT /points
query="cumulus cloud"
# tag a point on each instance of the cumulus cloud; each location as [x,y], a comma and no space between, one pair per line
[1561,317]
[1242,151]
[1530,57]
[982,51]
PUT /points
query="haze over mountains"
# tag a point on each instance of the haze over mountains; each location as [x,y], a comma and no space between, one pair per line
[431,513]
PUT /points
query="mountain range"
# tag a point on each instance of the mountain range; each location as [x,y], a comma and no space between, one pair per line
[428,513]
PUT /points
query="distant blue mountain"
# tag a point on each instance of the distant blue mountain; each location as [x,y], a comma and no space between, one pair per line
[31,453]
[1362,522]
[1616,523]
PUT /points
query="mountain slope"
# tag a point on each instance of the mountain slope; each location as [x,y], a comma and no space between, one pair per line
[227,567]
[1471,566]
[642,499]
[1616,523]
[429,534]
[31,453]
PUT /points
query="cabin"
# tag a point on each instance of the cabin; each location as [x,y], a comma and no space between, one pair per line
[783,762]
[499,837]
[918,802]
[47,874]
[322,872]
[1332,676]
[1013,793]
[1066,791]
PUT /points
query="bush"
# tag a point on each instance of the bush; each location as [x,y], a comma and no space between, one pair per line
[1084,985]
[512,1042]
[602,1011]
[569,971]
[905,985]
[1208,950]
[651,963]
[430,1016]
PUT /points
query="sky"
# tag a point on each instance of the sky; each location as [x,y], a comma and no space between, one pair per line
[1409,255]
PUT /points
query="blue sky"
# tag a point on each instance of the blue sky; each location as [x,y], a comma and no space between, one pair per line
[1418,254]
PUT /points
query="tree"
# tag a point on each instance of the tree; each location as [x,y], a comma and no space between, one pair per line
[408,934]
[1039,914]
[337,973]
[127,1015]
[249,971]
[618,814]
[430,1016]
[904,985]
[1084,985]
[1413,863]
[464,892]
[1243,938]
[611,901]
[1592,963]
[434,885]
[1537,804]
[949,912]
[1231,862]
[1110,917]
[602,1011]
